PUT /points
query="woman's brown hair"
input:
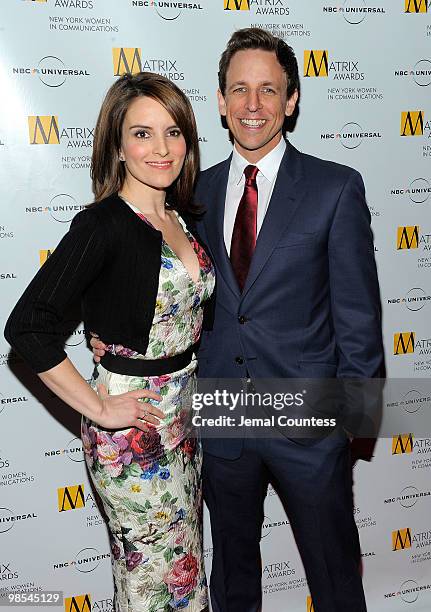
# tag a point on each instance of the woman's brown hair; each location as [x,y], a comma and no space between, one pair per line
[107,171]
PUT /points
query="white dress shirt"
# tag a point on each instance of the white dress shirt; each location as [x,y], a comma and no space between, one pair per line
[268,170]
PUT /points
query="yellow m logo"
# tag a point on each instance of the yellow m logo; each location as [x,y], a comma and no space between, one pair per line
[401,539]
[43,129]
[310,606]
[407,237]
[401,444]
[236,5]
[412,123]
[127,60]
[416,6]
[404,343]
[315,63]
[70,498]
[79,603]
[44,254]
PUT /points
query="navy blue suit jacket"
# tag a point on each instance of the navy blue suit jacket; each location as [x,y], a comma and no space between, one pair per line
[311,299]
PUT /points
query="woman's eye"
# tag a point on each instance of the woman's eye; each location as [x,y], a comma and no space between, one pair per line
[175,133]
[142,134]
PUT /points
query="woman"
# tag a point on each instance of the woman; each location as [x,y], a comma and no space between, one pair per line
[142,279]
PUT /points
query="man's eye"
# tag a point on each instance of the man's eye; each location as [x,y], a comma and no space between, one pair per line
[268,90]
[239,90]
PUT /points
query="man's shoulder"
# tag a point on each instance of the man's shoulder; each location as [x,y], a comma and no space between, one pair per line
[328,170]
[213,171]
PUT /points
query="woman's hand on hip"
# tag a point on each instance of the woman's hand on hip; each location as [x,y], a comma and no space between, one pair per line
[125,410]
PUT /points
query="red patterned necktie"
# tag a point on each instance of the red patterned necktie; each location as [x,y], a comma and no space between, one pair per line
[244,230]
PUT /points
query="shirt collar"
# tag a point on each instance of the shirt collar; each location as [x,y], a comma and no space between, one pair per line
[268,165]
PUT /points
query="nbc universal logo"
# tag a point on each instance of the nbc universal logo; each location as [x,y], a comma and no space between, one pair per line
[319,63]
[129,60]
[417,450]
[414,299]
[412,242]
[409,497]
[169,10]
[9,518]
[61,208]
[418,190]
[258,7]
[420,73]
[85,561]
[411,401]
[406,539]
[409,591]
[51,71]
[352,135]
[355,11]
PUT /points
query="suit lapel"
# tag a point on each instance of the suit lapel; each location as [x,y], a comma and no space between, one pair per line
[214,225]
[285,199]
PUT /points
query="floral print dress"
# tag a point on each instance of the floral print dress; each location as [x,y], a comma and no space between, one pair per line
[150,482]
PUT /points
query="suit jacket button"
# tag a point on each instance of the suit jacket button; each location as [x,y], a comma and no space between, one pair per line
[239,360]
[242,319]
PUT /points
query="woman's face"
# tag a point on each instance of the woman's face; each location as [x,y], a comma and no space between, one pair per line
[152,145]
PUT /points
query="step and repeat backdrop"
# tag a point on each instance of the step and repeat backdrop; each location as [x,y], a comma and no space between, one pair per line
[366,102]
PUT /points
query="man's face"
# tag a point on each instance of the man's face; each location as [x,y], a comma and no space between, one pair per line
[255,102]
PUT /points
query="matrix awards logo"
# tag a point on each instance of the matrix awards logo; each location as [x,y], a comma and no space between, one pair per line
[44,254]
[129,60]
[258,7]
[412,123]
[310,606]
[78,603]
[351,135]
[169,10]
[416,6]
[236,5]
[418,190]
[355,11]
[407,237]
[317,63]
[401,539]
[420,73]
[404,343]
[70,498]
[402,444]
[51,71]
[279,569]
[61,208]
[43,129]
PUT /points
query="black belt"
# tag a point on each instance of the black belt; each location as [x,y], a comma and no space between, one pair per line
[146,367]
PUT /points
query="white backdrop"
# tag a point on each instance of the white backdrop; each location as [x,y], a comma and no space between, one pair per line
[370,109]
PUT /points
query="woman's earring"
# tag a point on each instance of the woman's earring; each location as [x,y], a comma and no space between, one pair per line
[122,157]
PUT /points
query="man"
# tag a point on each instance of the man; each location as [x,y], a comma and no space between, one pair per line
[297,296]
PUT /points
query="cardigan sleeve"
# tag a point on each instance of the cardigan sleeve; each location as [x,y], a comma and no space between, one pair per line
[33,328]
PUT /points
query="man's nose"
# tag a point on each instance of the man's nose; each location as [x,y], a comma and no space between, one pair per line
[253,102]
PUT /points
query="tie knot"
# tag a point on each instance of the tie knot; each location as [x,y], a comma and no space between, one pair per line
[250,173]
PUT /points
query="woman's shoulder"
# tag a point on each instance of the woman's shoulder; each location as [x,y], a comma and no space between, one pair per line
[102,212]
